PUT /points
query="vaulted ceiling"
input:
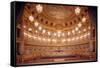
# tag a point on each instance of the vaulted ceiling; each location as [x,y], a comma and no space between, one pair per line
[56,22]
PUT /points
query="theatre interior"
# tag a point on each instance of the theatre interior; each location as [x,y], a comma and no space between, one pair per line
[51,33]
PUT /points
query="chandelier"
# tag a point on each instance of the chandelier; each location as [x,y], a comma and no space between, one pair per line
[39,8]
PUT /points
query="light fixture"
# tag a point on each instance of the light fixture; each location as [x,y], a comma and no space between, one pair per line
[77,10]
[25,33]
[49,40]
[76,28]
[40,28]
[63,40]
[31,18]
[34,37]
[39,8]
[88,33]
[85,35]
[69,39]
[73,31]
[54,34]
[58,32]
[63,34]
[79,31]
[36,23]
[39,38]
[49,33]
[30,29]
[59,35]
[68,33]
[36,31]
[29,36]
[81,37]
[79,25]
[43,31]
[24,26]
[54,40]
[44,39]
[83,19]
[73,39]
[84,30]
